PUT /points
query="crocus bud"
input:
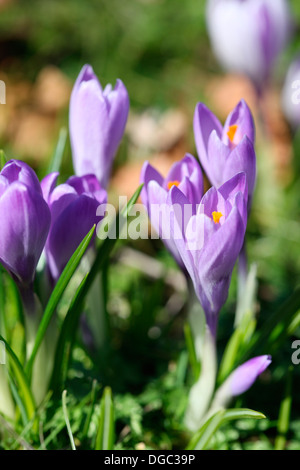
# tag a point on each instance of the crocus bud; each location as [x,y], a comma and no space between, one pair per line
[226,150]
[240,380]
[97,122]
[211,241]
[187,176]
[25,221]
[290,96]
[247,36]
[73,207]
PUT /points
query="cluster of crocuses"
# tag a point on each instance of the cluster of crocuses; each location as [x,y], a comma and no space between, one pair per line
[50,218]
[54,218]
[205,232]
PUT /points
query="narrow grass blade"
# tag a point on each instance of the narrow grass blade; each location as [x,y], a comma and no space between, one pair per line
[56,160]
[17,374]
[105,434]
[203,437]
[65,412]
[284,414]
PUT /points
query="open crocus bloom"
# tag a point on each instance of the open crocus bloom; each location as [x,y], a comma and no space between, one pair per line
[73,207]
[247,36]
[210,241]
[97,122]
[25,221]
[226,150]
[186,175]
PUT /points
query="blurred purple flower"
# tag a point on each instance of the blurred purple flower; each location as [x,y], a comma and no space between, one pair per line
[97,122]
[210,241]
[187,176]
[25,221]
[248,36]
[73,206]
[290,96]
[242,378]
[226,150]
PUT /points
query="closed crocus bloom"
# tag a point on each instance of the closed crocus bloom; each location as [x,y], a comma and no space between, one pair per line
[212,240]
[226,150]
[97,122]
[73,207]
[25,221]
[247,36]
[290,96]
[240,380]
[187,176]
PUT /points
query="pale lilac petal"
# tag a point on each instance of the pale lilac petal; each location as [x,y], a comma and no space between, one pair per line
[204,123]
[48,184]
[23,232]
[245,375]
[242,159]
[97,122]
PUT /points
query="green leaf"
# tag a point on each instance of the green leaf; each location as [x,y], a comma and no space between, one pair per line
[66,338]
[23,389]
[194,362]
[56,160]
[56,296]
[202,438]
[284,414]
[106,426]
[3,159]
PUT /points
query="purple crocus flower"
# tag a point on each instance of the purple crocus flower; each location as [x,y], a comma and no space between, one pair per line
[226,150]
[290,95]
[247,36]
[210,241]
[97,122]
[25,221]
[240,380]
[184,174]
[73,207]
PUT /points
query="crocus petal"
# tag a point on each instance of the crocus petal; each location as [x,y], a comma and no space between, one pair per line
[242,159]
[16,170]
[23,233]
[69,229]
[48,184]
[88,184]
[204,123]
[241,117]
[188,173]
[245,375]
[218,153]
[216,263]
[148,174]
[256,29]
[97,121]
[182,209]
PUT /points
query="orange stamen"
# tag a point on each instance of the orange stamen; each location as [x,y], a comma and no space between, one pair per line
[217,216]
[232,131]
[173,183]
